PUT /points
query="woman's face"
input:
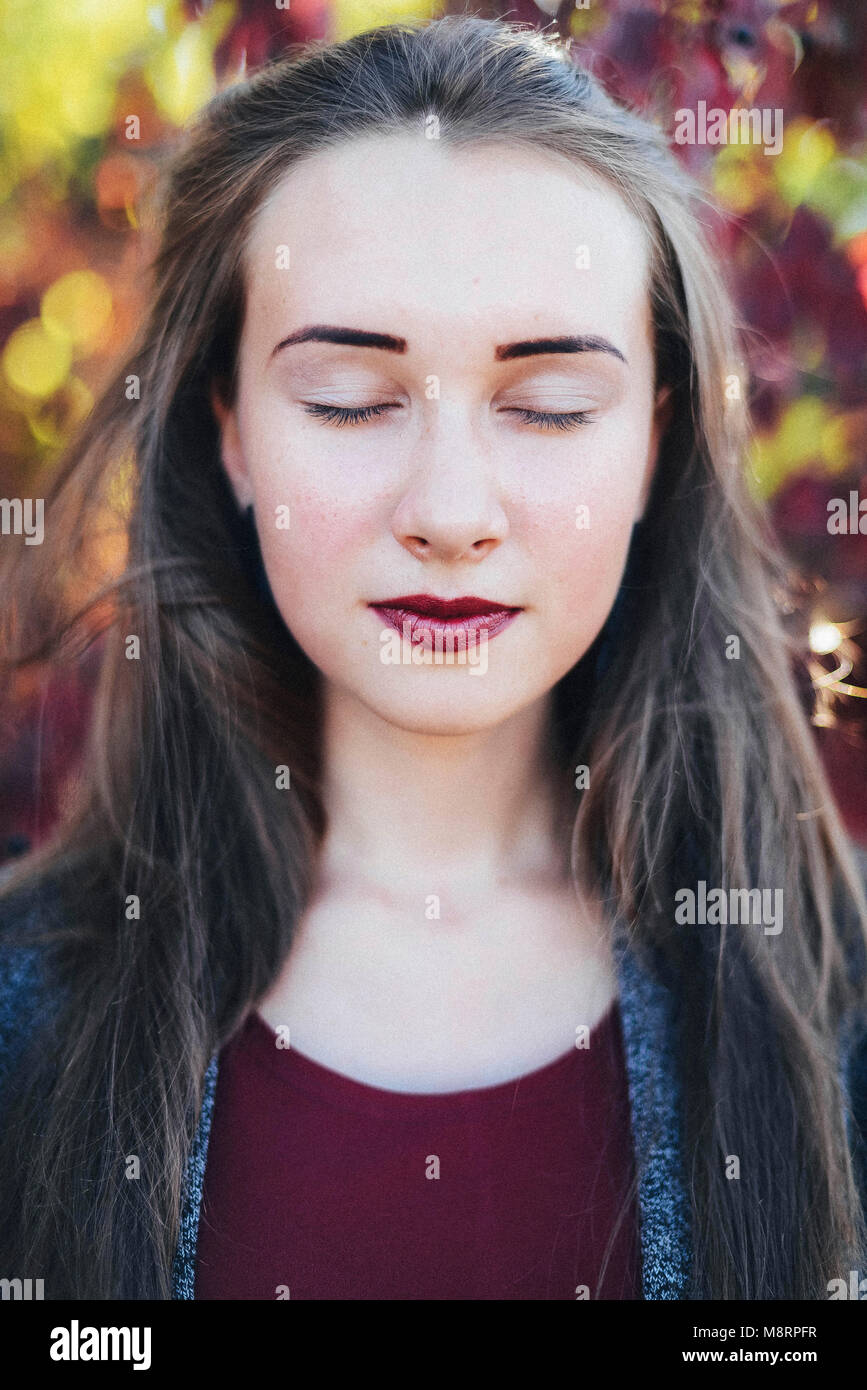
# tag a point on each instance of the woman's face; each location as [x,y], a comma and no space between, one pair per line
[457,488]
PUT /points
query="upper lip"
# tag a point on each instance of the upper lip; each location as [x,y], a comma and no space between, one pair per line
[427,604]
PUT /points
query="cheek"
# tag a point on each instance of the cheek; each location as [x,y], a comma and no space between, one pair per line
[580,544]
[582,574]
[316,547]
[311,563]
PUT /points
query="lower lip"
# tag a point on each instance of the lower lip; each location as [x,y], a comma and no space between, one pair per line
[444,628]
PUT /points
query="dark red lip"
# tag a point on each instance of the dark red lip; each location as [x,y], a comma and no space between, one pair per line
[465,607]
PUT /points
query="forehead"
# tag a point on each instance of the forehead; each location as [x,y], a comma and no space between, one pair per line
[430,233]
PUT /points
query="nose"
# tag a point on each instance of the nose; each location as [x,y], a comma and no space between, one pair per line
[451,507]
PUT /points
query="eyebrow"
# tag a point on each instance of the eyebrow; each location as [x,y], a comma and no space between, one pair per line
[386,342]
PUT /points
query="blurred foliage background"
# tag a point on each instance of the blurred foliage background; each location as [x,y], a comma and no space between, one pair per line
[92,92]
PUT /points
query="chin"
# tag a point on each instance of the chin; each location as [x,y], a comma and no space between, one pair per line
[452,713]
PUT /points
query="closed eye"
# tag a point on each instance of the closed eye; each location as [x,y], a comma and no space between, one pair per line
[356,415]
[568,420]
[345,415]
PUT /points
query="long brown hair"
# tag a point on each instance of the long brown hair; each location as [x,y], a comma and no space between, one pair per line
[702,766]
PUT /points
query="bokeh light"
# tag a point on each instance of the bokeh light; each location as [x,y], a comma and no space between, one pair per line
[92,93]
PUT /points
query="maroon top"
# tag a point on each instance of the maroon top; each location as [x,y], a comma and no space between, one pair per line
[326,1187]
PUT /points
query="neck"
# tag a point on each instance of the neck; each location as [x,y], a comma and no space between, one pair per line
[411,812]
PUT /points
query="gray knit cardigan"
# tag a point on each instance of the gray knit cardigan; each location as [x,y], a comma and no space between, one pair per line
[649,1017]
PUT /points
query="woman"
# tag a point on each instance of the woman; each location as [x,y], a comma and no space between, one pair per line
[356,870]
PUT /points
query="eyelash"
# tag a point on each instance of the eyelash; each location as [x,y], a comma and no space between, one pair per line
[355,415]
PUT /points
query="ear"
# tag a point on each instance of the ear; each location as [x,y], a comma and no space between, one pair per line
[662,412]
[231,453]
